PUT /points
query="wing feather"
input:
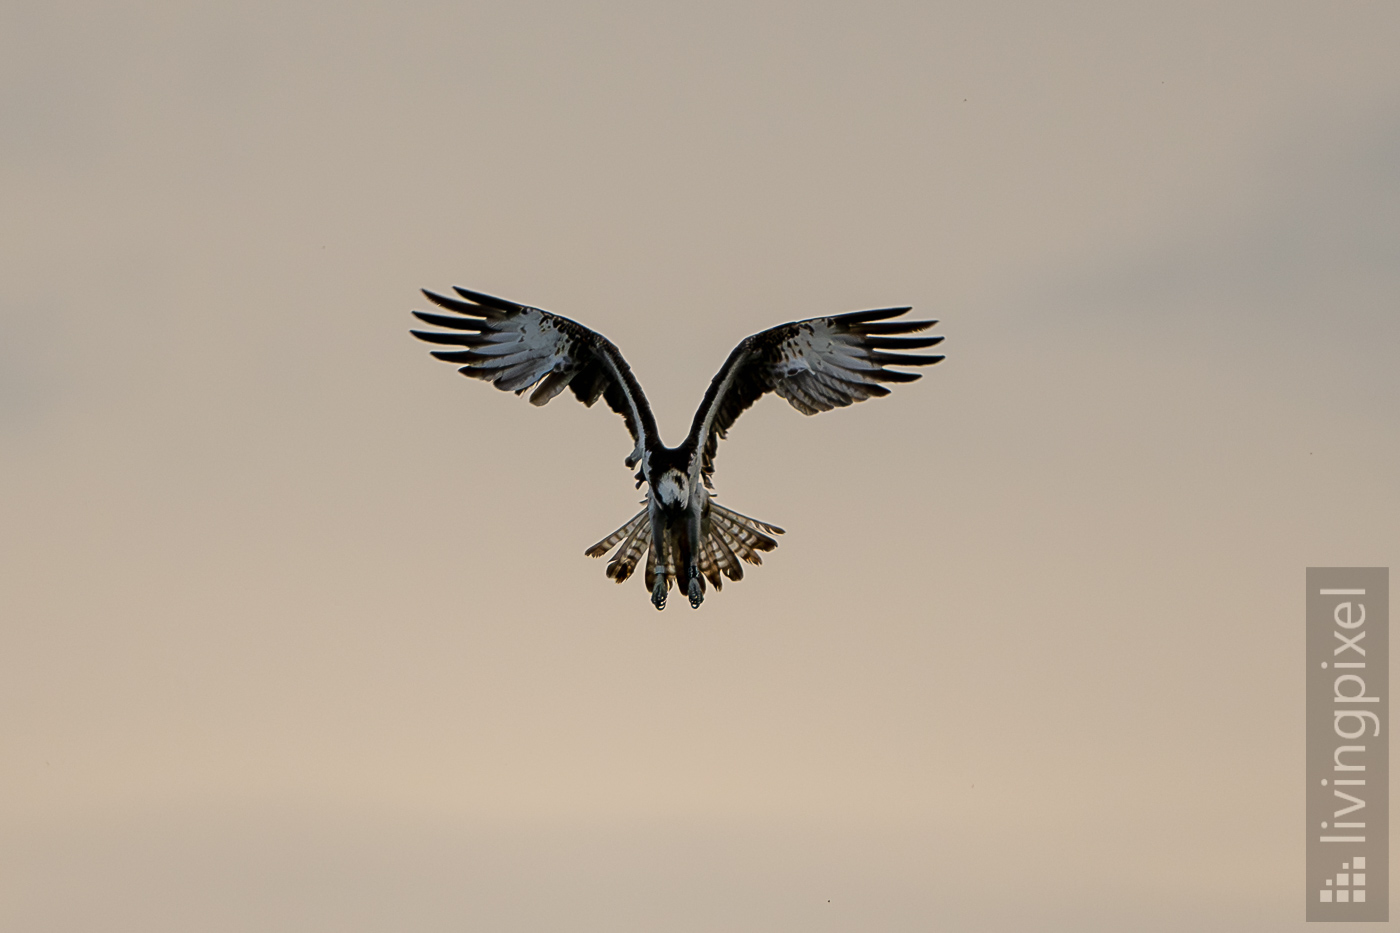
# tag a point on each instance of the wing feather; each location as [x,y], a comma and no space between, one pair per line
[515,347]
[898,327]
[451,339]
[816,365]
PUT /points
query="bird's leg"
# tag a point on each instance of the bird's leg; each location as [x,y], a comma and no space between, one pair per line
[658,589]
[697,588]
[658,550]
[697,585]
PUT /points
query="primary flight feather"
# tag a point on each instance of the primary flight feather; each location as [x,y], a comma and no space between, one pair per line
[817,365]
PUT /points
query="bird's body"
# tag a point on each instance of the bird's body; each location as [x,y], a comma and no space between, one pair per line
[816,364]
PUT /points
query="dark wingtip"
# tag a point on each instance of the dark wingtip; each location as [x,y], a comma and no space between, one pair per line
[454,323]
[901,343]
[443,300]
[457,356]
[904,359]
[462,307]
[456,338]
[485,300]
[894,375]
[874,314]
[893,327]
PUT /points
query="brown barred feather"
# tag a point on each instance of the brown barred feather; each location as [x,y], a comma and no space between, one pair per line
[736,544]
[608,543]
[727,560]
[625,560]
[753,525]
[709,565]
[728,542]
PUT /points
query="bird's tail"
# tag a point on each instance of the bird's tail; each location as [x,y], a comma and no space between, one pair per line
[730,538]
[635,537]
[728,541]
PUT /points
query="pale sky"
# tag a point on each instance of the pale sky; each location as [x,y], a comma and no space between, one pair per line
[296,630]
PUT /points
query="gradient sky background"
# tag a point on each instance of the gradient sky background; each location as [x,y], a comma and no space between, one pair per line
[296,630]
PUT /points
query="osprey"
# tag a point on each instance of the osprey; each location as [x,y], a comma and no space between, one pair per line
[817,365]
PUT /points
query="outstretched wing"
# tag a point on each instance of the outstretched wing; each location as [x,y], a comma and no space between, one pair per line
[817,365]
[515,347]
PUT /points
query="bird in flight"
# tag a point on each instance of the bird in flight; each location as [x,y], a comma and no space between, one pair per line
[817,365]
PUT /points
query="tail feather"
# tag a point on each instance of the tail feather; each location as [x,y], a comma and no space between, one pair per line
[606,545]
[743,534]
[745,553]
[731,565]
[755,524]
[710,564]
[633,538]
[625,560]
[729,541]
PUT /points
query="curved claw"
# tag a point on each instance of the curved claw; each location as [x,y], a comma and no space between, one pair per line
[697,593]
[658,592]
